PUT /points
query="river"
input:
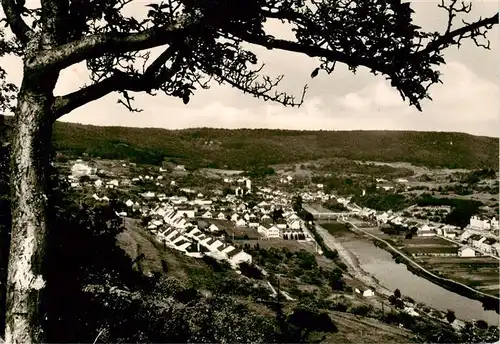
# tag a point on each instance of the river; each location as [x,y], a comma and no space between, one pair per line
[382,266]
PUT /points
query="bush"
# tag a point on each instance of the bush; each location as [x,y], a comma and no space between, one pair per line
[362,310]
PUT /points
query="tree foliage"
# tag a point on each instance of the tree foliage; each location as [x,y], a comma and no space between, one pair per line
[205,41]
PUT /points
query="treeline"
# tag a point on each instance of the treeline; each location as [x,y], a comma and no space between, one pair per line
[383,202]
[461,212]
[245,148]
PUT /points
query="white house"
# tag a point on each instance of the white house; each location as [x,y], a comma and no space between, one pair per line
[214,245]
[269,231]
[466,251]
[240,223]
[213,228]
[494,224]
[482,224]
[79,170]
[207,215]
[129,203]
[237,257]
[426,231]
[294,224]
[368,293]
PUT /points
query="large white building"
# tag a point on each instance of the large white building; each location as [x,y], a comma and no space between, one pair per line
[483,224]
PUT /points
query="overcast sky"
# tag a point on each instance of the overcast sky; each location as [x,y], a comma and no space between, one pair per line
[468,101]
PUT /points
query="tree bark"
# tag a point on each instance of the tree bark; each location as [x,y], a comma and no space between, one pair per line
[30,153]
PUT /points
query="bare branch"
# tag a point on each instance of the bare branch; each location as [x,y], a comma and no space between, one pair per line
[451,36]
[13,13]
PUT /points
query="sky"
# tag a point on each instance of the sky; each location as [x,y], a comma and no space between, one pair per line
[468,101]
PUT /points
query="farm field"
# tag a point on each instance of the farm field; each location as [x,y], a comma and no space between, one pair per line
[426,241]
[478,272]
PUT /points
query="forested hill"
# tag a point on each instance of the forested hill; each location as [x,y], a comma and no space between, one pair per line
[247,148]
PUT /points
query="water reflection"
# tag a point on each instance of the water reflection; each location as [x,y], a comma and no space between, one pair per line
[396,276]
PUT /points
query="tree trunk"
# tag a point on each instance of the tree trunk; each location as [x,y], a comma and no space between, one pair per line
[31,141]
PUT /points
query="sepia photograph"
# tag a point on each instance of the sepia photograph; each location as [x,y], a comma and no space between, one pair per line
[249,171]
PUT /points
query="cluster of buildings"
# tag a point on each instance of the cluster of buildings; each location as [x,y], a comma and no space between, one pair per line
[477,237]
[175,220]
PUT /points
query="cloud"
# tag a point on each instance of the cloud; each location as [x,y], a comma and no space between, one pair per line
[466,102]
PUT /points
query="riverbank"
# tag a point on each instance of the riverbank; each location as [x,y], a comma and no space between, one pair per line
[351,261]
[395,276]
[489,302]
[355,269]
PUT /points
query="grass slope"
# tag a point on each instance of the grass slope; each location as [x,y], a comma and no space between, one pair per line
[246,148]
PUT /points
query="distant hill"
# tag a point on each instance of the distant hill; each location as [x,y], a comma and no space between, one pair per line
[247,148]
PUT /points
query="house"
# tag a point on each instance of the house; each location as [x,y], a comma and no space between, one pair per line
[464,237]
[213,228]
[475,240]
[266,219]
[368,293]
[235,217]
[193,233]
[487,245]
[479,224]
[294,224]
[215,244]
[129,203]
[240,223]
[269,231]
[496,249]
[426,231]
[494,224]
[281,224]
[207,215]
[466,251]
[221,216]
[237,257]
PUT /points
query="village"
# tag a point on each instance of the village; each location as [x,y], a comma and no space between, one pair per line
[199,225]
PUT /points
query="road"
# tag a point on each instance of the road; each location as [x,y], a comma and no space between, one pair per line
[418,265]
[350,260]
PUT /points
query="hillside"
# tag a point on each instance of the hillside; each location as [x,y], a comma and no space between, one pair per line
[247,148]
[351,328]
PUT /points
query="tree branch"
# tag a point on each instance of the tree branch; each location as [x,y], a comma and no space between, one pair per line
[13,14]
[449,37]
[54,16]
[312,51]
[97,45]
[153,77]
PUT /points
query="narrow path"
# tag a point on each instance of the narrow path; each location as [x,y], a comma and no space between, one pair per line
[418,265]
